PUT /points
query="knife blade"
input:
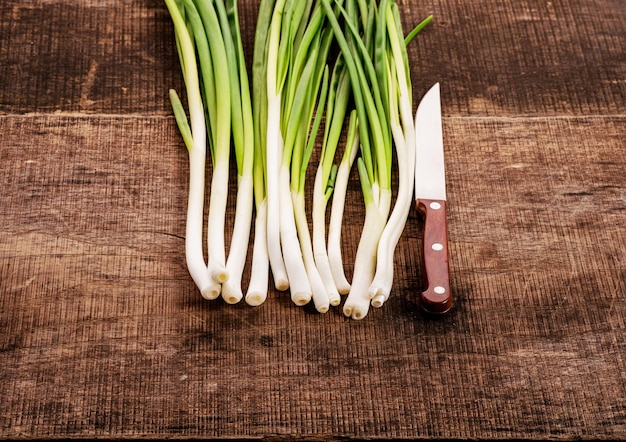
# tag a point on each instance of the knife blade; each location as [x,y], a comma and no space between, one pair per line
[430,200]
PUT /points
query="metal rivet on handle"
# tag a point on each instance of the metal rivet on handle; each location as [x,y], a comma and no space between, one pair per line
[435,205]
[438,247]
[440,290]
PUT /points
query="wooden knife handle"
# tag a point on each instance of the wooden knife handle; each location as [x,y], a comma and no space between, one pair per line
[437,298]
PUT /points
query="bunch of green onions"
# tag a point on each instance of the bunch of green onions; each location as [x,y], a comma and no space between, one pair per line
[220,114]
[343,62]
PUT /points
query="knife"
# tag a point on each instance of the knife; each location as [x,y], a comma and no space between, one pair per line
[430,200]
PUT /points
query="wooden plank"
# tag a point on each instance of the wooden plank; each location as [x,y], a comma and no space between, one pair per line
[524,58]
[102,333]
[563,57]
[87,56]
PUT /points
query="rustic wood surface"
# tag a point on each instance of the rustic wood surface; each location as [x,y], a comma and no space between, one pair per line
[102,333]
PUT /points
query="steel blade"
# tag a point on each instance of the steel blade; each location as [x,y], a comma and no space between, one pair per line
[430,178]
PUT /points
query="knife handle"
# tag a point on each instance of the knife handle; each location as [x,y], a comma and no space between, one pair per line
[437,298]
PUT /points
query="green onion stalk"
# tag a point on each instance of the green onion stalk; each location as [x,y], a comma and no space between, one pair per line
[403,129]
[296,79]
[339,190]
[275,74]
[220,149]
[323,188]
[243,142]
[258,285]
[194,135]
[319,291]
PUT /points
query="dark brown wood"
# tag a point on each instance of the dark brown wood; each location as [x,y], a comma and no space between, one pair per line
[103,334]
[563,57]
[436,297]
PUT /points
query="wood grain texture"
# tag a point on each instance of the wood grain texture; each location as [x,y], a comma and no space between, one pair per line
[492,57]
[103,334]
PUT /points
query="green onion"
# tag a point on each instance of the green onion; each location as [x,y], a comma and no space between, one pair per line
[335,259]
[417,30]
[274,144]
[257,288]
[319,291]
[195,140]
[221,150]
[243,141]
[324,186]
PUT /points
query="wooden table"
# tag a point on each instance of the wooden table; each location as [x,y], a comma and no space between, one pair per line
[103,334]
